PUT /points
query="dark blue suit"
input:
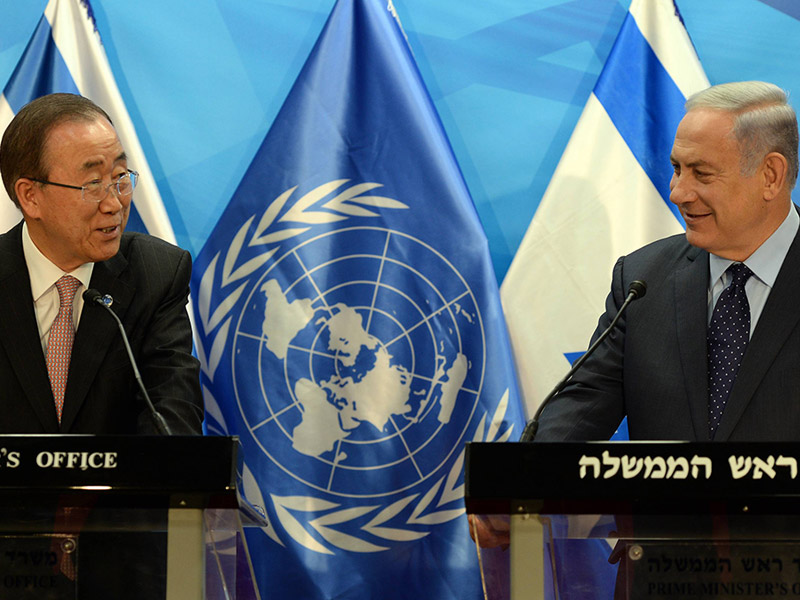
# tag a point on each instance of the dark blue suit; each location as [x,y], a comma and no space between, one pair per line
[654,367]
[149,281]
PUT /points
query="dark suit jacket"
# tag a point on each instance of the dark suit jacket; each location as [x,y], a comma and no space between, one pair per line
[149,281]
[654,369]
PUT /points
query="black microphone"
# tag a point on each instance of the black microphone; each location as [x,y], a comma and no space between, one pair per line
[636,290]
[92,296]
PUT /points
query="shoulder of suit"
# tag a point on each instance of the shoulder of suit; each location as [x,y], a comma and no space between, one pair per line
[11,240]
[666,249]
[145,253]
[658,260]
[134,242]
[12,258]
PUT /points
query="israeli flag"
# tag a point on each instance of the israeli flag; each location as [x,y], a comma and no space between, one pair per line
[608,196]
[350,330]
[65,54]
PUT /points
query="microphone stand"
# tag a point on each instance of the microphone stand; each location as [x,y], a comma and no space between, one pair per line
[636,290]
[92,296]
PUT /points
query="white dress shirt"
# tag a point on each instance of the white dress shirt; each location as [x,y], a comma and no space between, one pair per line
[765,263]
[43,275]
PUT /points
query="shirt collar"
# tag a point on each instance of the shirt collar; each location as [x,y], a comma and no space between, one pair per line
[43,273]
[766,261]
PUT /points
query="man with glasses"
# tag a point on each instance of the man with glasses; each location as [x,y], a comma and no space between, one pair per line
[63,365]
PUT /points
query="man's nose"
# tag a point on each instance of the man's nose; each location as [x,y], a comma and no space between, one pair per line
[111,203]
[679,190]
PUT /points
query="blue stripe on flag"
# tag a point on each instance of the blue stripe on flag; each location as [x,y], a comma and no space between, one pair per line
[644,104]
[40,71]
[135,222]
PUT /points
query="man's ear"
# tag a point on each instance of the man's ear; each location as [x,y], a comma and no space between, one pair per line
[28,196]
[773,174]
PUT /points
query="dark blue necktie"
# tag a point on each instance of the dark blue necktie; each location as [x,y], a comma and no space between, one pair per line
[728,334]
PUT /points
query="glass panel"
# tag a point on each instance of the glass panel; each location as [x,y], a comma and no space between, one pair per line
[38,567]
[671,570]
[652,557]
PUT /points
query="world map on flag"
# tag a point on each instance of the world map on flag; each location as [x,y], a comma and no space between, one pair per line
[361,362]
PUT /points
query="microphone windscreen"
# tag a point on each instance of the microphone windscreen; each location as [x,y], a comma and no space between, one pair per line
[91,295]
[638,288]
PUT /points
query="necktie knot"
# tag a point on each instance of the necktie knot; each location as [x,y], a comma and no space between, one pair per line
[67,285]
[739,273]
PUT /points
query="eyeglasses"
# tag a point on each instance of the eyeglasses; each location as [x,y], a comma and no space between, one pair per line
[95,191]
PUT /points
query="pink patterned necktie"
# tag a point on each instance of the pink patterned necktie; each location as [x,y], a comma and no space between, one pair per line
[59,346]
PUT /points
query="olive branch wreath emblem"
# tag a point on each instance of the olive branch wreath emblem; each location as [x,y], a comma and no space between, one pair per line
[340,528]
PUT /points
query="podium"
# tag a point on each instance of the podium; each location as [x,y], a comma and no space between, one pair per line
[119,517]
[639,520]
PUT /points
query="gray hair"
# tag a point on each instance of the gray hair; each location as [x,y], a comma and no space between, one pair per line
[763,122]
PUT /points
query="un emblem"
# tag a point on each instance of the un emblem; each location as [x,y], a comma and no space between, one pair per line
[355,360]
[364,384]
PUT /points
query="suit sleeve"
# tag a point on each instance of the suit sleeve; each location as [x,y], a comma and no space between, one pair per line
[592,405]
[169,370]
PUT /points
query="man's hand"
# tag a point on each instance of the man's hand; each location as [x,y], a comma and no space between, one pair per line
[489,531]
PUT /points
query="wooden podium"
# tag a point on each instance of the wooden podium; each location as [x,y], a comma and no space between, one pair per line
[676,520]
[71,505]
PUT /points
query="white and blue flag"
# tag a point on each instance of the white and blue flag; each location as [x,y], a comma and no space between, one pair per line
[65,54]
[350,330]
[608,196]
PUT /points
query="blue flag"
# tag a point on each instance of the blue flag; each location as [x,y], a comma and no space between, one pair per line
[350,330]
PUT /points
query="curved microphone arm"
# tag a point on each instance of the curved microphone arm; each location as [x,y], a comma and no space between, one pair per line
[636,290]
[92,296]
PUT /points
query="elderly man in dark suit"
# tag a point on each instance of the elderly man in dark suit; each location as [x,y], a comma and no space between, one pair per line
[713,350]
[63,366]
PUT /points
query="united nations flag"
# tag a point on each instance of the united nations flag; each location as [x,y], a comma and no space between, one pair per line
[350,330]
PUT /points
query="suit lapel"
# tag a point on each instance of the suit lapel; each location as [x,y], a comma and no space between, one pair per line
[96,333]
[691,302]
[776,323]
[19,332]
